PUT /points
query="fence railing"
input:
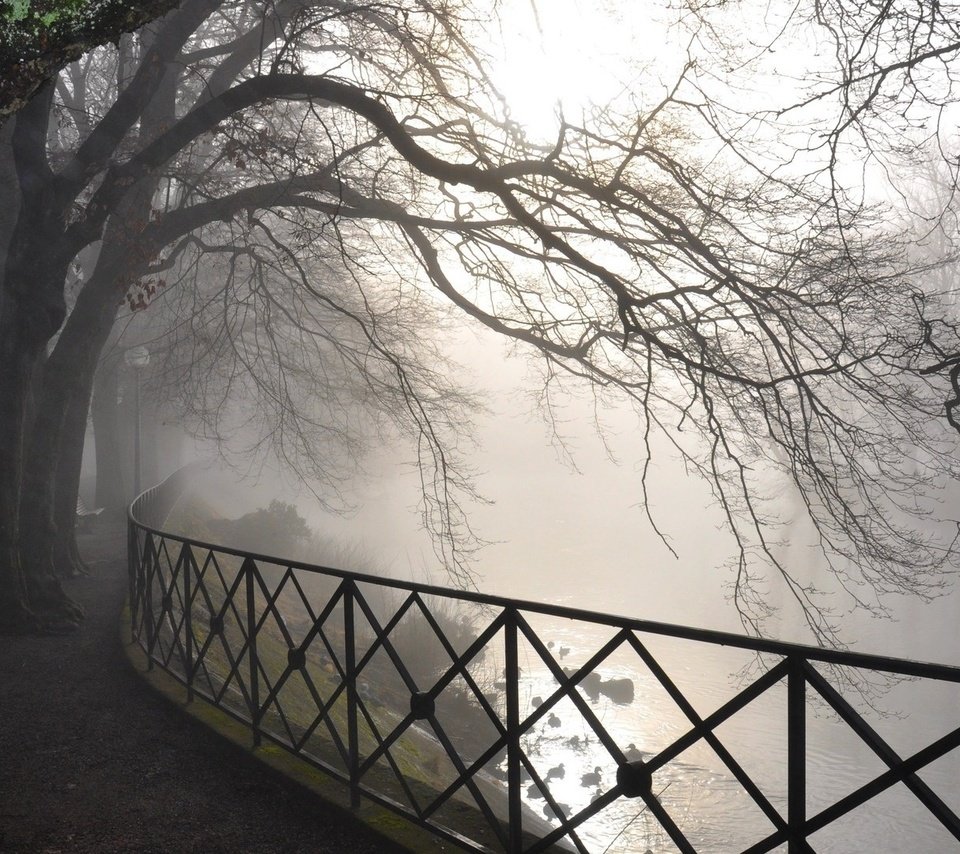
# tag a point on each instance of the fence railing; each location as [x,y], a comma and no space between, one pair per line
[448,706]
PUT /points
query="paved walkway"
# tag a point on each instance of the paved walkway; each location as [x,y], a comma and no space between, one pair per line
[93,760]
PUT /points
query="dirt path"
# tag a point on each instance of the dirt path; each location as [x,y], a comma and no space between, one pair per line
[92,760]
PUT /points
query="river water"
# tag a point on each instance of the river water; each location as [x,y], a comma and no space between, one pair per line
[580,539]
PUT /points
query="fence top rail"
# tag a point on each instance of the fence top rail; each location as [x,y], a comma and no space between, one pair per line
[867,661]
[173,483]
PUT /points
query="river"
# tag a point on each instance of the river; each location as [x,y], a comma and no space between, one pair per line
[578,538]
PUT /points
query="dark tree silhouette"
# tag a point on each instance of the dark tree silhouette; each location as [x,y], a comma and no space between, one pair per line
[759,317]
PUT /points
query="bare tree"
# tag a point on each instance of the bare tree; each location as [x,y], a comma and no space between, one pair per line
[280,352]
[757,318]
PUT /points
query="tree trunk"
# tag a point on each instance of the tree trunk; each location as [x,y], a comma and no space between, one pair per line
[51,472]
[52,468]
[31,598]
[32,308]
[16,368]
[106,433]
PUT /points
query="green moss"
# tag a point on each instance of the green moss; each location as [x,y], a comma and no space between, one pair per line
[40,14]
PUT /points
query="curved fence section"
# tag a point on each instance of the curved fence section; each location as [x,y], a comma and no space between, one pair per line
[513,726]
[152,507]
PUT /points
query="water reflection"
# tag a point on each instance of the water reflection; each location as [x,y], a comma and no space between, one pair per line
[576,764]
[695,788]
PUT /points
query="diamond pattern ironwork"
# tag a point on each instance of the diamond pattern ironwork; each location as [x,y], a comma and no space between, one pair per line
[457,740]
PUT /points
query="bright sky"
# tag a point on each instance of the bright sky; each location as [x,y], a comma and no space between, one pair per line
[573,53]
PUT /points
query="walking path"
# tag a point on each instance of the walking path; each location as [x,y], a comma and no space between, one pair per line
[92,759]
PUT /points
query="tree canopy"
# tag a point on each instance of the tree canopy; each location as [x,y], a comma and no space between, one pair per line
[700,245]
[40,37]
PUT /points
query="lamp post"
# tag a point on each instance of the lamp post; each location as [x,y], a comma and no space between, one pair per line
[137,358]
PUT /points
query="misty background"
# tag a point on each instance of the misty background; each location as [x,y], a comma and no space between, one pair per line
[563,520]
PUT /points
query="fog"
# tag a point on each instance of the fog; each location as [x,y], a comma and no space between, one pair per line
[580,536]
[312,208]
[573,532]
[565,521]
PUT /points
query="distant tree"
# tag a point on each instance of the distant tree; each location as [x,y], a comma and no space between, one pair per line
[759,317]
[276,529]
[281,354]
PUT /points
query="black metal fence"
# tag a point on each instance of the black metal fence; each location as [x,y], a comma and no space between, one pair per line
[448,706]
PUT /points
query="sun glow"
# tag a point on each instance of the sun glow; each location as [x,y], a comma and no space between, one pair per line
[556,57]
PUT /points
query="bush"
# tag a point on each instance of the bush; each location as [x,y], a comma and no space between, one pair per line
[277,529]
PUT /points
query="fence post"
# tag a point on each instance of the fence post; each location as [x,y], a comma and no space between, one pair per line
[350,650]
[133,571]
[151,569]
[249,569]
[186,564]
[511,676]
[796,756]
